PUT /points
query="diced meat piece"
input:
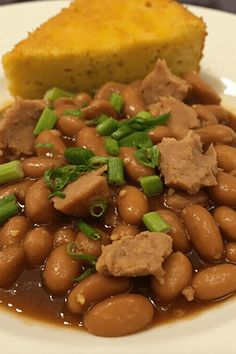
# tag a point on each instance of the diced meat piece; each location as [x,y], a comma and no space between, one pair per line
[162,82]
[83,193]
[205,115]
[184,165]
[182,116]
[136,256]
[17,126]
[180,199]
[200,91]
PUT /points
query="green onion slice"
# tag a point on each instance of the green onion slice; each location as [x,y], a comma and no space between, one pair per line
[78,155]
[111,146]
[154,222]
[151,185]
[88,230]
[55,92]
[11,171]
[8,208]
[115,173]
[117,101]
[85,274]
[46,121]
[97,161]
[138,139]
[72,112]
[71,250]
[148,157]
[122,132]
[98,208]
[107,127]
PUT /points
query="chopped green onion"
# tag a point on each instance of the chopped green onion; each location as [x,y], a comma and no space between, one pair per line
[55,92]
[145,115]
[78,155]
[88,230]
[148,157]
[11,171]
[97,161]
[117,101]
[8,208]
[144,121]
[115,174]
[162,119]
[151,185]
[98,208]
[46,121]
[79,255]
[96,121]
[73,112]
[154,222]
[138,139]
[111,146]
[85,274]
[122,132]
[57,179]
[107,127]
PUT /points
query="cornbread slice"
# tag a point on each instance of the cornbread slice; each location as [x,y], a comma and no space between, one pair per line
[95,41]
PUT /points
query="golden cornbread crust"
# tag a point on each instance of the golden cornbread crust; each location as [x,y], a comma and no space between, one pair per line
[92,42]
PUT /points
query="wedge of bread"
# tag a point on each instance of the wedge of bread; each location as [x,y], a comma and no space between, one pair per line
[94,41]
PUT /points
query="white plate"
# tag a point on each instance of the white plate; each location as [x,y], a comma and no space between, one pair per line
[212,331]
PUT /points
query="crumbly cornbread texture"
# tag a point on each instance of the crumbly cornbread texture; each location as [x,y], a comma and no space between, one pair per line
[95,41]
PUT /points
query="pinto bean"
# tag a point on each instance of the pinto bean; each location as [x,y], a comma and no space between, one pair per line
[14,231]
[60,271]
[205,115]
[63,236]
[215,282]
[135,313]
[216,134]
[88,138]
[37,245]
[226,157]
[201,92]
[70,125]
[19,189]
[35,166]
[12,259]
[230,251]
[133,101]
[123,230]
[97,108]
[226,219]
[91,247]
[38,207]
[62,103]
[220,113]
[132,205]
[203,231]
[93,289]
[179,200]
[105,91]
[177,232]
[52,137]
[178,274]
[82,99]
[133,167]
[224,193]
[160,132]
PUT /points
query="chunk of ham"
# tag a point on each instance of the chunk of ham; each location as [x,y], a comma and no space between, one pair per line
[162,82]
[182,118]
[83,193]
[138,255]
[17,126]
[184,165]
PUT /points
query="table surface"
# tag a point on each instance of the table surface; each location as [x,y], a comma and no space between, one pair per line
[226,5]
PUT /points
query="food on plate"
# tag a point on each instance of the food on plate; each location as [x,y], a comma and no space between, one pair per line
[92,42]
[116,210]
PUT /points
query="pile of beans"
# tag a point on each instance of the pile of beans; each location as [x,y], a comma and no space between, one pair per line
[203,227]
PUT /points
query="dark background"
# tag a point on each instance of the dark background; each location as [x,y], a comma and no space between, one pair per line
[226,5]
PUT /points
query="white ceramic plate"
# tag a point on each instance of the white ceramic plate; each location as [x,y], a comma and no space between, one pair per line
[212,331]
